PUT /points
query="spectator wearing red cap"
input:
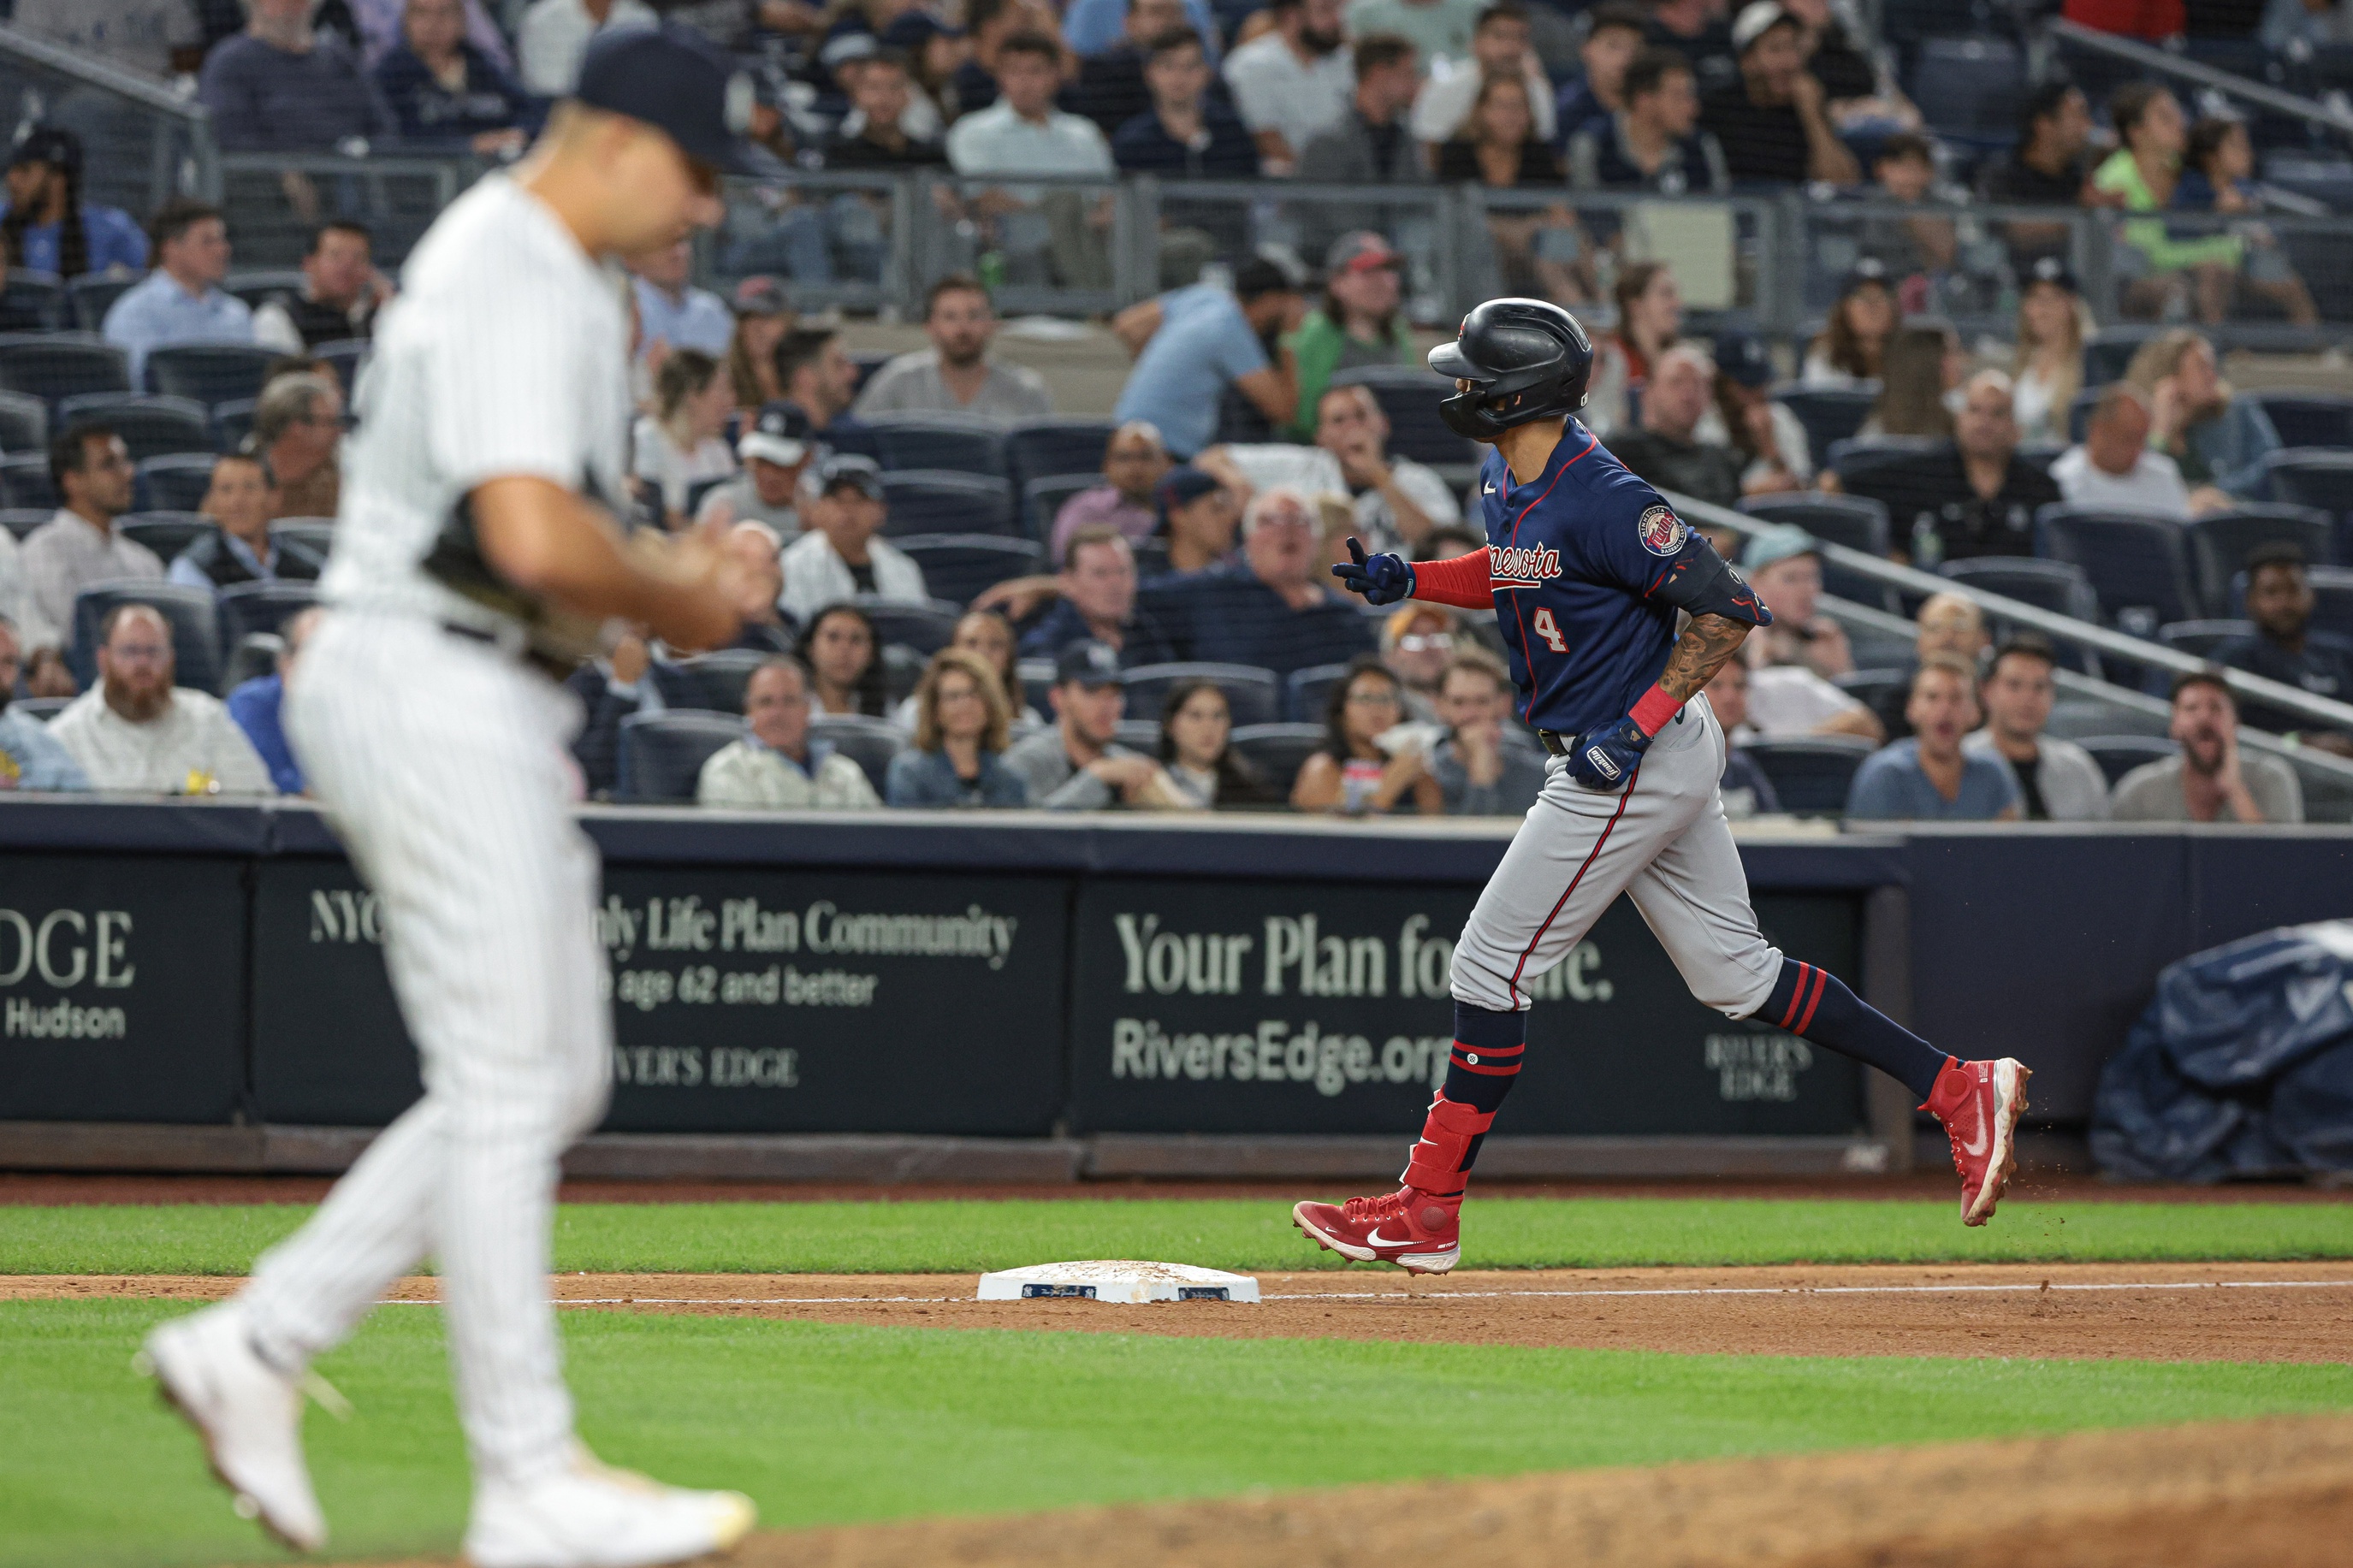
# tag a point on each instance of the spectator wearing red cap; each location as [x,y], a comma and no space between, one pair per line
[1358,323]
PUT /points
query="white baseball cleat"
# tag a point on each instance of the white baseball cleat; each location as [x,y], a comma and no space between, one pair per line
[248,1413]
[589,1515]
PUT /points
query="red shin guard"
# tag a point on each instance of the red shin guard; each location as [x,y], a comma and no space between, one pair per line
[1438,1165]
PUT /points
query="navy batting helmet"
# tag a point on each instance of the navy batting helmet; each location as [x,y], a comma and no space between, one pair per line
[1526,359]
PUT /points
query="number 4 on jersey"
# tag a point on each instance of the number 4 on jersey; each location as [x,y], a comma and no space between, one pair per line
[1549,629]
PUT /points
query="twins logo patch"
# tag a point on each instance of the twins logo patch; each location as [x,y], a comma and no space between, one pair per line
[1661,530]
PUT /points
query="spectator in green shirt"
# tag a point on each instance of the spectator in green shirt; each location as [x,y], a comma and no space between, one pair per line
[2140,177]
[1359,322]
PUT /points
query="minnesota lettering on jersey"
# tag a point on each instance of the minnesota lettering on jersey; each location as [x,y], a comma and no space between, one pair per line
[1522,565]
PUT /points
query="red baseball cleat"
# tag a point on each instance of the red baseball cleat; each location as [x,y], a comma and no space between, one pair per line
[1420,1232]
[1979,1104]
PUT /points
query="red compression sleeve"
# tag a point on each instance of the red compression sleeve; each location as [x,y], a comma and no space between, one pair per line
[1463,582]
[1654,708]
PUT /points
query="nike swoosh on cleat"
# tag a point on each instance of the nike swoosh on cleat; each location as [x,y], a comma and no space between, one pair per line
[1978,1146]
[1377,1239]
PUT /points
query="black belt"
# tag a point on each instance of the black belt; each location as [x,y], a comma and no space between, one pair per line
[555,669]
[1555,744]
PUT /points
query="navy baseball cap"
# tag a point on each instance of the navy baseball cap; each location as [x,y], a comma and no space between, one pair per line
[2052,269]
[1866,270]
[861,473]
[47,144]
[1090,663]
[678,82]
[780,435]
[911,31]
[1744,357]
[1182,486]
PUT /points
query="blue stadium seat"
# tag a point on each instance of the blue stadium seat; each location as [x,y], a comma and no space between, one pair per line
[2109,350]
[257,286]
[2051,586]
[1050,448]
[2039,455]
[1277,751]
[150,427]
[2120,755]
[20,521]
[41,708]
[24,423]
[1304,692]
[1830,413]
[2219,543]
[2137,563]
[925,627]
[868,363]
[347,355]
[935,500]
[32,302]
[1042,500]
[233,422]
[175,483]
[1969,85]
[250,658]
[662,753]
[718,678]
[1252,695]
[2079,412]
[1141,735]
[1860,455]
[1409,396]
[1873,688]
[259,609]
[868,742]
[90,296]
[51,365]
[310,537]
[2332,600]
[1858,523]
[25,483]
[2309,418]
[955,443]
[1813,775]
[167,533]
[208,372]
[2199,639]
[195,639]
[958,566]
[2307,476]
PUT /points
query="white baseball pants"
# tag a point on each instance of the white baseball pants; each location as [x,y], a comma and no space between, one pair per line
[1663,840]
[443,764]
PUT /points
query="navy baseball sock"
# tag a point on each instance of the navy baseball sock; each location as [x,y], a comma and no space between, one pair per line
[1810,1001]
[1480,1071]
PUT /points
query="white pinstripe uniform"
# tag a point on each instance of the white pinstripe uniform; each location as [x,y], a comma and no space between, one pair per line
[443,761]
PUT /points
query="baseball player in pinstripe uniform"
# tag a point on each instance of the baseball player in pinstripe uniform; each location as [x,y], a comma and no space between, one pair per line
[474,556]
[1588,572]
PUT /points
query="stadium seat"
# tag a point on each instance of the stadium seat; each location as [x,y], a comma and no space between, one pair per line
[2137,563]
[233,421]
[90,296]
[1037,678]
[2309,418]
[150,427]
[1251,694]
[2052,585]
[1858,523]
[51,365]
[347,355]
[2332,600]
[259,609]
[25,483]
[1812,775]
[1409,396]
[718,678]
[1304,691]
[662,753]
[1139,735]
[1042,500]
[868,742]
[41,708]
[2039,455]
[2220,542]
[2311,476]
[257,286]
[953,443]
[958,566]
[2199,639]
[868,363]
[1050,448]
[24,423]
[903,671]
[2109,350]
[1830,413]
[2120,755]
[1857,456]
[1277,751]
[1873,688]
[1969,85]
[2079,412]
[175,483]
[209,372]
[250,658]
[935,500]
[314,536]
[32,302]
[167,533]
[925,627]
[195,641]
[20,521]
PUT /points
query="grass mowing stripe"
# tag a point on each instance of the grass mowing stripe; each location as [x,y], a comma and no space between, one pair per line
[828,1423]
[1225,1233]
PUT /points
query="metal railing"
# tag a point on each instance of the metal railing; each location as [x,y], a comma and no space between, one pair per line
[143,143]
[2164,62]
[273,200]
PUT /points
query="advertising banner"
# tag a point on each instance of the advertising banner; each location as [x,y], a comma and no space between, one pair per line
[1258,1007]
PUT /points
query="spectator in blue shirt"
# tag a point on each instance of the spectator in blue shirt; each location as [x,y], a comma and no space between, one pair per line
[1267,608]
[1094,26]
[963,721]
[46,227]
[30,757]
[673,314]
[279,87]
[182,301]
[1186,133]
[1929,778]
[1191,344]
[445,92]
[255,706]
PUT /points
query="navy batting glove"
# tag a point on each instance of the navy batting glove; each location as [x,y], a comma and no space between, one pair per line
[1605,758]
[1382,579]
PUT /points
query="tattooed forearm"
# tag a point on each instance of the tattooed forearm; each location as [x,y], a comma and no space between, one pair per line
[1699,653]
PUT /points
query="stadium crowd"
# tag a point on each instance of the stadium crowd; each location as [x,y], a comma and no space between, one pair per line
[1160,633]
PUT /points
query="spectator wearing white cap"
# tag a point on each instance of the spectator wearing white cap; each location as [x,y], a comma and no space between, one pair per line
[838,555]
[773,452]
[1771,123]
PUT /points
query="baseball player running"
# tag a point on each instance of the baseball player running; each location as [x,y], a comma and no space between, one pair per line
[1588,570]
[473,554]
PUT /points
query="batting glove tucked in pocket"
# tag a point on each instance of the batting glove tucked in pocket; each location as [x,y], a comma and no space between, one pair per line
[1605,758]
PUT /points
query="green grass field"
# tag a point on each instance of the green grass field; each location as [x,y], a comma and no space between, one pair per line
[1254,1234]
[824,1423]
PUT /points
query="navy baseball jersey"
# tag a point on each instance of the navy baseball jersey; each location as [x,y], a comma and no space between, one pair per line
[1575,560]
